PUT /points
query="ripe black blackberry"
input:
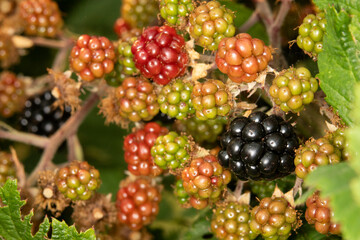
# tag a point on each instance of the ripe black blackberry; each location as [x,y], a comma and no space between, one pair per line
[259,147]
[40,117]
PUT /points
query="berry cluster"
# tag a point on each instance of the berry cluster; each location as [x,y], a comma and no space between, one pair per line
[40,117]
[137,99]
[318,212]
[137,147]
[12,94]
[175,12]
[204,132]
[242,57]
[293,89]
[159,54]
[205,180]
[273,218]
[323,151]
[8,52]
[175,99]
[263,189]
[171,151]
[210,23]
[259,147]
[231,221]
[78,180]
[125,65]
[7,168]
[180,193]
[92,57]
[41,17]
[121,27]
[311,33]
[140,13]
[137,203]
[211,99]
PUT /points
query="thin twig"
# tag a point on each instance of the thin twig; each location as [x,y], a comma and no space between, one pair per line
[44,42]
[26,138]
[297,186]
[239,188]
[69,128]
[20,172]
[60,59]
[253,19]
[75,151]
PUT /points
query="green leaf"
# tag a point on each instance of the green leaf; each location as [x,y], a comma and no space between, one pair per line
[11,224]
[307,232]
[339,63]
[200,229]
[353,5]
[334,182]
[12,227]
[62,231]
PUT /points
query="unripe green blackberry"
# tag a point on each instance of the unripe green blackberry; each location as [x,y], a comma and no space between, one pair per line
[273,218]
[171,151]
[180,193]
[330,149]
[210,23]
[293,89]
[205,180]
[263,189]
[175,99]
[231,221]
[140,13]
[7,168]
[175,12]
[125,66]
[204,132]
[211,99]
[311,34]
[78,180]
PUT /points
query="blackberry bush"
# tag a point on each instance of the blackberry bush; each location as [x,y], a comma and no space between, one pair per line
[171,151]
[242,57]
[175,99]
[160,54]
[137,147]
[293,89]
[211,99]
[92,57]
[319,214]
[140,13]
[176,12]
[259,147]
[7,168]
[210,23]
[330,149]
[311,33]
[78,180]
[231,221]
[40,116]
[273,218]
[41,17]
[12,94]
[205,181]
[137,203]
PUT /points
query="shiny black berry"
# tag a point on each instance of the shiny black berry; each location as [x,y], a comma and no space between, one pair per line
[259,147]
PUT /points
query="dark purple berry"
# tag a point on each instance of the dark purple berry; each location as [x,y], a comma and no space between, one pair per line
[270,124]
[253,132]
[237,126]
[275,142]
[225,139]
[286,129]
[268,163]
[252,152]
[286,164]
[234,147]
[224,158]
[257,117]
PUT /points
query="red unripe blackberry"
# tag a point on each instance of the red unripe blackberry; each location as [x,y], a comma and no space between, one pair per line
[160,54]
[210,23]
[293,89]
[78,180]
[12,94]
[137,99]
[92,57]
[41,17]
[7,167]
[319,214]
[137,203]
[330,149]
[242,57]
[8,52]
[137,147]
[205,181]
[121,26]
[231,221]
[273,218]
[140,13]
[211,99]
